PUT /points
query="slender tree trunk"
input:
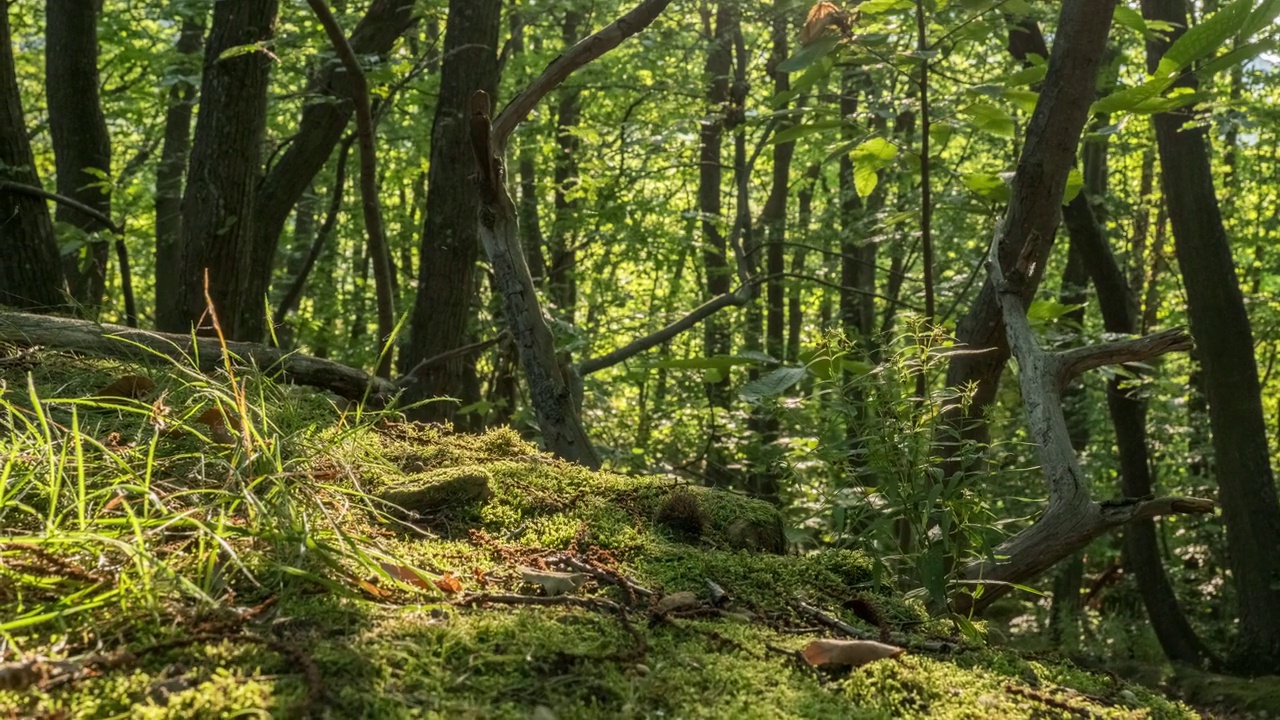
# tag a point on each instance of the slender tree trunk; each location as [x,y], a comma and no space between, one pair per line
[447,289]
[717,336]
[795,311]
[562,285]
[171,170]
[1220,325]
[81,145]
[218,205]
[30,270]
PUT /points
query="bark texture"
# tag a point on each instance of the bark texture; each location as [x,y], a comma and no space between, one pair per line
[30,271]
[1220,324]
[218,205]
[170,172]
[446,301]
[81,145]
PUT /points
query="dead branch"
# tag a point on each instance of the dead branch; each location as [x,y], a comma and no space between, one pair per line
[1072,518]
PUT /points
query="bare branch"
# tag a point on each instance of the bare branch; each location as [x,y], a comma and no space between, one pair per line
[62,200]
[1078,360]
[563,66]
[658,337]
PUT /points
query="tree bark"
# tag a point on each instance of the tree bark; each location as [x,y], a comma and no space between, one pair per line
[81,145]
[218,205]
[1117,302]
[562,285]
[30,270]
[171,170]
[319,130]
[550,390]
[1220,324]
[716,333]
[447,289]
[1035,207]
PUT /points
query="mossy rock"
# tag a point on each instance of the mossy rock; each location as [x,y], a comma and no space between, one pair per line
[441,490]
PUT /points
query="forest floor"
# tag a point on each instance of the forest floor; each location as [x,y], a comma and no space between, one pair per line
[179,546]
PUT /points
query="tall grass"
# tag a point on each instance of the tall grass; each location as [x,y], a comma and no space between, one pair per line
[212,491]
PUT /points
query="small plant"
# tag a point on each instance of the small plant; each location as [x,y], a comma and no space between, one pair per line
[874,475]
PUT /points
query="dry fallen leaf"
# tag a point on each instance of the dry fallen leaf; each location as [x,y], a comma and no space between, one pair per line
[854,653]
[675,601]
[449,583]
[217,424]
[406,575]
[132,387]
[553,583]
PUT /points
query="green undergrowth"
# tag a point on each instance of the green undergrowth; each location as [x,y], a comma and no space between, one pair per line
[226,546]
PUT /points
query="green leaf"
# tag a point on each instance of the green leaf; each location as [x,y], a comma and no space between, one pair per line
[239,50]
[989,186]
[875,7]
[1128,17]
[1075,183]
[990,119]
[773,383]
[1025,76]
[1025,99]
[1129,98]
[1204,39]
[1261,18]
[868,159]
[1043,311]
[798,131]
[803,84]
[1239,56]
[809,54]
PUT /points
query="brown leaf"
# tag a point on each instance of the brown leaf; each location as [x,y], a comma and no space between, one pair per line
[675,601]
[373,590]
[821,16]
[449,584]
[854,653]
[217,424]
[406,575]
[132,387]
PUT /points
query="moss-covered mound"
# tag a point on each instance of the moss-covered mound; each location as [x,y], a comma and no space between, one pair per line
[310,562]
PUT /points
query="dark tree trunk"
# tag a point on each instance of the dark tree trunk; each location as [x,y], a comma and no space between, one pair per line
[804,212]
[716,333]
[319,130]
[1031,221]
[774,215]
[562,286]
[1220,325]
[30,270]
[81,145]
[170,171]
[218,204]
[446,300]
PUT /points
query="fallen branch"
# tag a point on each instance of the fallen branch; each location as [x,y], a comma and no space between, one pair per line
[206,354]
[1072,518]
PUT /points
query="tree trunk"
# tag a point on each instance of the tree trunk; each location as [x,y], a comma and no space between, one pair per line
[1220,325]
[446,301]
[171,169]
[319,130]
[716,333]
[81,145]
[795,312]
[30,270]
[218,205]
[562,286]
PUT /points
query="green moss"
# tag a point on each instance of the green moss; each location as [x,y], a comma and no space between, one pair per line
[495,503]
